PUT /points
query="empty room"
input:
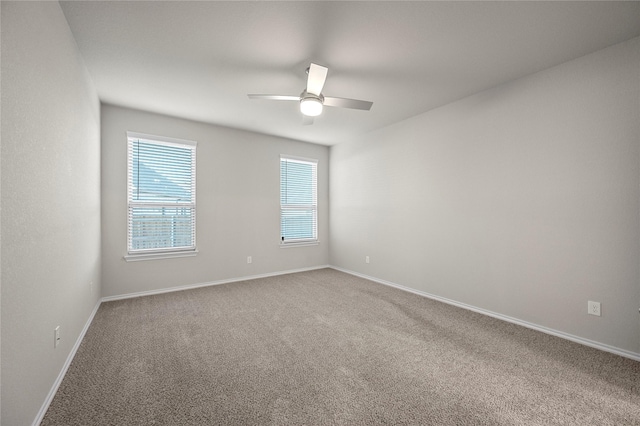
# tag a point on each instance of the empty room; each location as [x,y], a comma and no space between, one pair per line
[320,212]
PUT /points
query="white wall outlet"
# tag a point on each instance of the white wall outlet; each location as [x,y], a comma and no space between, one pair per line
[366,259]
[56,335]
[249,259]
[593,308]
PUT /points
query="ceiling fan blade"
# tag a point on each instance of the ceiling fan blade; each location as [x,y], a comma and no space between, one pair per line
[307,120]
[275,97]
[316,79]
[347,103]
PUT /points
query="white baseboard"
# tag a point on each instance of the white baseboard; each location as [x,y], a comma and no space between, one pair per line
[65,367]
[207,284]
[603,347]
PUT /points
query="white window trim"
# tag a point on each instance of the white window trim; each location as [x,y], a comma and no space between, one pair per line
[165,253]
[302,242]
[158,255]
[163,139]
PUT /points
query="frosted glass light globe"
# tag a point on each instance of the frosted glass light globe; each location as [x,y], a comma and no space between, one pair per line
[311,107]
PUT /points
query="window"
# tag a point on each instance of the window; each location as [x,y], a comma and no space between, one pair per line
[298,200]
[161,195]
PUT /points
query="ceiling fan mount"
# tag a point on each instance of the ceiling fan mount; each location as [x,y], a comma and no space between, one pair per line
[312,100]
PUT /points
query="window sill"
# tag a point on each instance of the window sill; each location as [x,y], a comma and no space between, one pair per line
[300,244]
[159,256]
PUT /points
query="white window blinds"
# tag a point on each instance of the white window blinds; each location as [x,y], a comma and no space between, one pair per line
[161,194]
[298,200]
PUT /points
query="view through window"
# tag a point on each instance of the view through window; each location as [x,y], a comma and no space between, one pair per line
[298,200]
[161,194]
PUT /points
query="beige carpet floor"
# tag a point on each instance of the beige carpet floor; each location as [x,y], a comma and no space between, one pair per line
[324,347]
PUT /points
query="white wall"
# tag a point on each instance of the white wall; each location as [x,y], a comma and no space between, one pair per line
[50,227]
[238,205]
[522,200]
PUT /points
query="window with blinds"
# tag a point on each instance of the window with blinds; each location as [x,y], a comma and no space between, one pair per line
[161,194]
[298,200]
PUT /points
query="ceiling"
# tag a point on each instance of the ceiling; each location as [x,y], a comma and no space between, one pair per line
[199,60]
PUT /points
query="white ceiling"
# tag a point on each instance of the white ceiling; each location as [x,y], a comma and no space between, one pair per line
[199,60]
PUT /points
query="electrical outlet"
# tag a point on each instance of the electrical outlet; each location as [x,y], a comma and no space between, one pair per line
[593,308]
[366,259]
[56,335]
[249,259]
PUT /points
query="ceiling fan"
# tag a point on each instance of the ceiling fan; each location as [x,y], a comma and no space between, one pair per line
[312,100]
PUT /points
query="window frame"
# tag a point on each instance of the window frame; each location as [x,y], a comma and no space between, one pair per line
[311,207]
[164,252]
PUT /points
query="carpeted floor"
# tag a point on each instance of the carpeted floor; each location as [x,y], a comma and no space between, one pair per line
[324,347]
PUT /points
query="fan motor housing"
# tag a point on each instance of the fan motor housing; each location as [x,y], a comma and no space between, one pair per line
[306,95]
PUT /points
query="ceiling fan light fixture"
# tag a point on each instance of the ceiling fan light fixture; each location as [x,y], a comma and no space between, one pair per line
[312,100]
[311,106]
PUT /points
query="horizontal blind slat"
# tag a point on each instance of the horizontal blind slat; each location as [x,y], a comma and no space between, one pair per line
[298,199]
[161,195]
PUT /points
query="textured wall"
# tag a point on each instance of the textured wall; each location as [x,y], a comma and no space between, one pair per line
[50,226]
[238,205]
[522,200]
